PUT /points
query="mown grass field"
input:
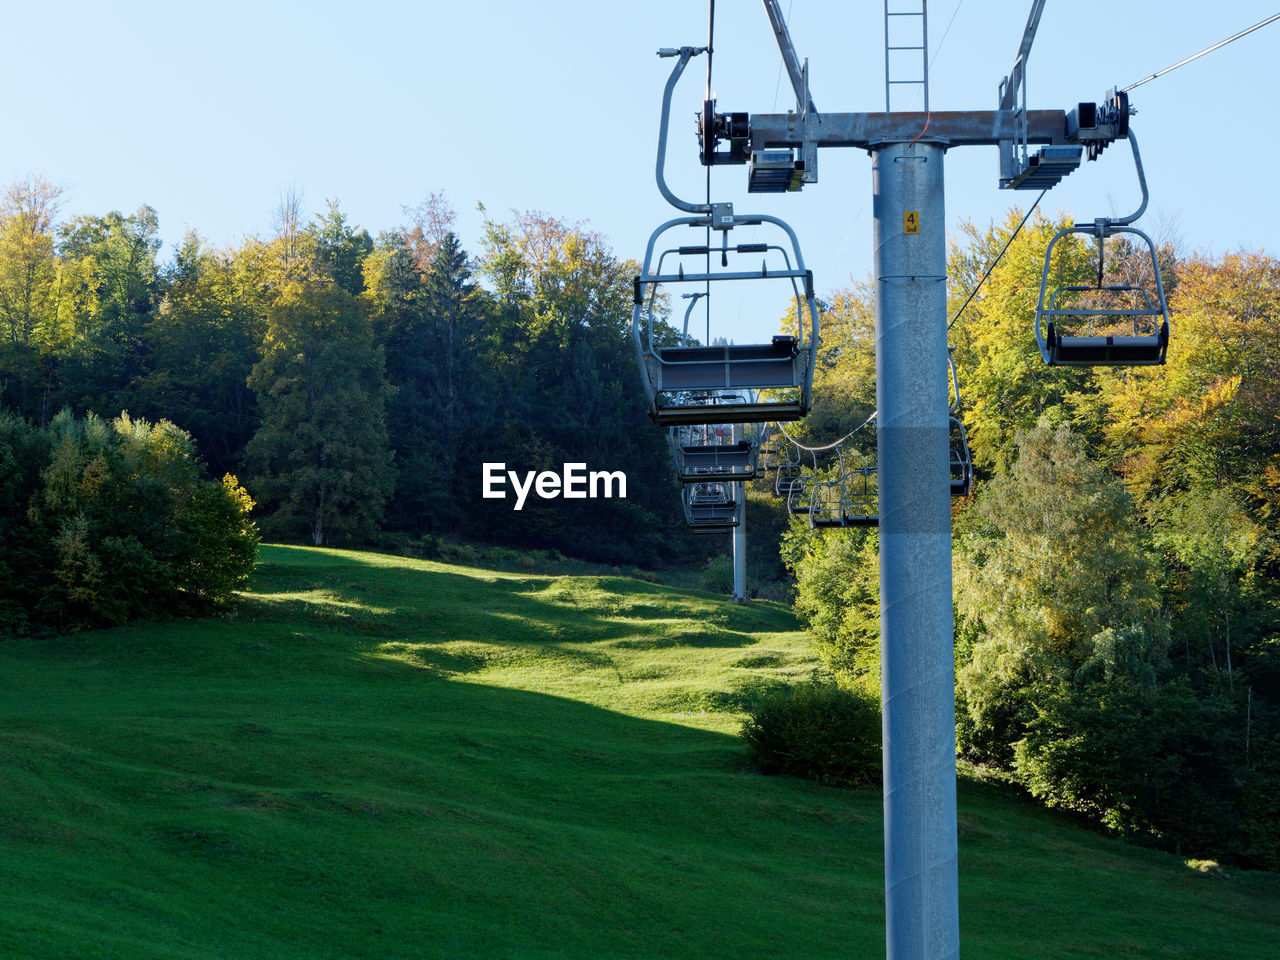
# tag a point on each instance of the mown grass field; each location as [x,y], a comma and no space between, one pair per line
[384,758]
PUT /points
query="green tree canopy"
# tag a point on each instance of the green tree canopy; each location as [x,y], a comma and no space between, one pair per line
[1056,572]
[321,460]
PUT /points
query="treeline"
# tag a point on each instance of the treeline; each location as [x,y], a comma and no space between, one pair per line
[1117,566]
[354,384]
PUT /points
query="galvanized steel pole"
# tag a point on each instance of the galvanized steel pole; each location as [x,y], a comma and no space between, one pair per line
[916,627]
[740,545]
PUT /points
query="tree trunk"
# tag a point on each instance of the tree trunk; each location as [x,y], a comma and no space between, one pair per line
[317,525]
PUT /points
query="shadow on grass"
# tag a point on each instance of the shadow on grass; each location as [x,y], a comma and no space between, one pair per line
[295,811]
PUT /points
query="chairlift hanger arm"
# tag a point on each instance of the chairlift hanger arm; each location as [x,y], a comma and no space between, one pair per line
[1102,225]
[683,55]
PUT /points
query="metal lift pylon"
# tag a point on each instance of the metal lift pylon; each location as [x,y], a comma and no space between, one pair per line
[917,632]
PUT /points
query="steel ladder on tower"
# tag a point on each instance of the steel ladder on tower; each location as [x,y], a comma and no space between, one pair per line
[903,25]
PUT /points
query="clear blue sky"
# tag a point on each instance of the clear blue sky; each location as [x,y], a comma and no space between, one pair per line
[208,112]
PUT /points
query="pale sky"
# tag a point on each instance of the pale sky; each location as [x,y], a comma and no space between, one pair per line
[209,112]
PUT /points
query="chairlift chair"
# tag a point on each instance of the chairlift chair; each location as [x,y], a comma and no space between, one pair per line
[715,451]
[798,494]
[769,458]
[851,500]
[779,372]
[710,507]
[789,473]
[825,501]
[722,461]
[958,442]
[770,450]
[826,496]
[1104,324]
[961,461]
[860,504]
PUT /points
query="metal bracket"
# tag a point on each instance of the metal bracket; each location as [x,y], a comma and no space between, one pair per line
[1014,157]
[1097,126]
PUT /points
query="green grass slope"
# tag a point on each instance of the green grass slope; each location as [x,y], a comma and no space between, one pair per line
[385,758]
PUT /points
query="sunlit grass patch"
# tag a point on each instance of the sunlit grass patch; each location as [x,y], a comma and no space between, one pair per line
[322,598]
[1207,867]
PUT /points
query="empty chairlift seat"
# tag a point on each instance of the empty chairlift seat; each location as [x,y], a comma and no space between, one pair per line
[789,474]
[799,494]
[1102,324]
[849,500]
[961,461]
[716,461]
[770,455]
[716,451]
[860,498]
[825,504]
[1105,324]
[839,495]
[710,507]
[775,377]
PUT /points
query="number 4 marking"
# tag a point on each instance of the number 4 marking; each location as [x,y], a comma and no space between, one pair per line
[911,221]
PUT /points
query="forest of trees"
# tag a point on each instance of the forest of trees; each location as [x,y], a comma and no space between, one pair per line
[353,384]
[1117,566]
[1117,563]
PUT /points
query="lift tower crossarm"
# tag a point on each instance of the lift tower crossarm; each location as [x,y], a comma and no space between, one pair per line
[799,82]
[950,128]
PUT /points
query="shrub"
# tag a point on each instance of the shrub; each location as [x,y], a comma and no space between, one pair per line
[816,730]
[717,574]
[111,522]
[1164,764]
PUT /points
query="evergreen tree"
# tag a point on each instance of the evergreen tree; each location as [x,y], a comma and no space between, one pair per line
[340,249]
[433,326]
[567,385]
[321,459]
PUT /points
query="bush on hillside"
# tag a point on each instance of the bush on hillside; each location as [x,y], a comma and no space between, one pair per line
[106,522]
[816,730]
[1166,764]
[717,574]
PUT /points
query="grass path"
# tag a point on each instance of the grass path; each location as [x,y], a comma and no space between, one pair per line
[385,758]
